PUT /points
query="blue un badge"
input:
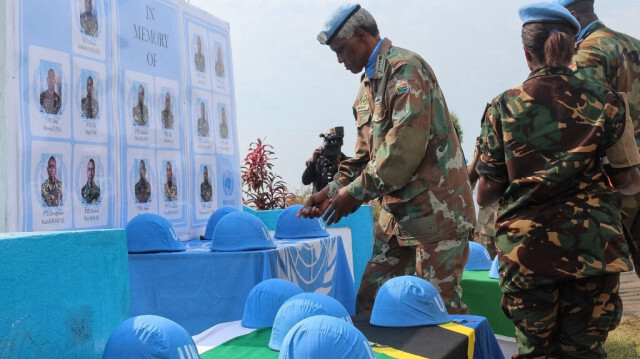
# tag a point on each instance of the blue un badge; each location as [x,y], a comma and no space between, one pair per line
[227,182]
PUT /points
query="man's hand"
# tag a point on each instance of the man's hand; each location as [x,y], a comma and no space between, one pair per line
[342,205]
[314,206]
[316,154]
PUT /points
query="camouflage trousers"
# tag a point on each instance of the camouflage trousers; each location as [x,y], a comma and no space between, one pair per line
[568,320]
[441,263]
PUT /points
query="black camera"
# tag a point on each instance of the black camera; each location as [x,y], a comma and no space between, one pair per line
[332,142]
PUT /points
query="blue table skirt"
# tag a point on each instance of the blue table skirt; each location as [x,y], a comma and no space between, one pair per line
[199,288]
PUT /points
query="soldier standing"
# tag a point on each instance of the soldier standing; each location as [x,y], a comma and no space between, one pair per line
[485,231]
[52,188]
[88,20]
[91,191]
[612,58]
[551,150]
[407,155]
[205,187]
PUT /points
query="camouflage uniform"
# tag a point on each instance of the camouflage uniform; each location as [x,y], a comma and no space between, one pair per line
[408,155]
[170,191]
[206,191]
[485,231]
[90,194]
[203,127]
[559,232]
[50,102]
[167,119]
[89,23]
[140,114]
[90,107]
[198,58]
[224,130]
[613,58]
[52,193]
[143,190]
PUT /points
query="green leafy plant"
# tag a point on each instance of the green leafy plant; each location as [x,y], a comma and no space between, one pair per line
[262,188]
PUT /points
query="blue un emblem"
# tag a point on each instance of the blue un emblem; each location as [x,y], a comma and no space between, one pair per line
[227,182]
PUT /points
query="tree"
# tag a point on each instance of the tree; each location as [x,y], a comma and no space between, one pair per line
[262,187]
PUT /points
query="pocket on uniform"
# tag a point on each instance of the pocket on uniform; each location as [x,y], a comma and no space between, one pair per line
[417,228]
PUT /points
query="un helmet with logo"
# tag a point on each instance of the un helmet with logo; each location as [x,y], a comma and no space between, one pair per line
[149,233]
[408,301]
[264,300]
[289,226]
[479,258]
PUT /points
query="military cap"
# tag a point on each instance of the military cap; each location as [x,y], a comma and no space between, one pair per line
[545,12]
[567,3]
[335,23]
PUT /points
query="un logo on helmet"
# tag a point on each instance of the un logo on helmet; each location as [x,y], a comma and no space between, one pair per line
[227,182]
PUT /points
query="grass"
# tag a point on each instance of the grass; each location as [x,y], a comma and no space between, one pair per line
[624,342]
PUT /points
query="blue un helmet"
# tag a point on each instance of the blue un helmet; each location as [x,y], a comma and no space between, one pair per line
[549,12]
[303,306]
[214,219]
[335,23]
[150,336]
[148,233]
[322,336]
[494,272]
[241,231]
[289,226]
[264,300]
[479,258]
[408,301]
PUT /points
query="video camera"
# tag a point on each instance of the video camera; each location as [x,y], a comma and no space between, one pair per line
[332,142]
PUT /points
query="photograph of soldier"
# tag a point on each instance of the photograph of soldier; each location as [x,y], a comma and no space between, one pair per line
[203,123]
[219,63]
[91,191]
[52,188]
[89,104]
[140,111]
[143,187]
[224,127]
[88,20]
[170,188]
[49,99]
[166,115]
[205,187]
[198,58]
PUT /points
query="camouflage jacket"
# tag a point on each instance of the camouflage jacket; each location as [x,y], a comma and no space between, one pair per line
[205,191]
[407,152]
[167,119]
[198,59]
[612,58]
[90,194]
[170,191]
[203,127]
[50,102]
[143,190]
[89,23]
[140,115]
[90,107]
[52,193]
[558,217]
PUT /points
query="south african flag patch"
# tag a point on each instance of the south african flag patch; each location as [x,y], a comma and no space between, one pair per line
[402,86]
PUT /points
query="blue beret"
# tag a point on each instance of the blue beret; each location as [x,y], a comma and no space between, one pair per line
[567,3]
[333,26]
[545,12]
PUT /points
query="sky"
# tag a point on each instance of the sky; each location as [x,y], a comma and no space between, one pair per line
[289,88]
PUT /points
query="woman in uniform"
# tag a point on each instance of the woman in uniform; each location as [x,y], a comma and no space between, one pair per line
[553,152]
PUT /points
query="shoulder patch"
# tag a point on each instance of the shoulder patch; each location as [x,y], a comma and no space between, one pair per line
[402,86]
[574,66]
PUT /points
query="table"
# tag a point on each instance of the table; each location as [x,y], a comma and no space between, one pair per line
[470,337]
[199,288]
[483,296]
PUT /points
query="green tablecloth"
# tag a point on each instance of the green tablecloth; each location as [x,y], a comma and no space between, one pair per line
[482,295]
